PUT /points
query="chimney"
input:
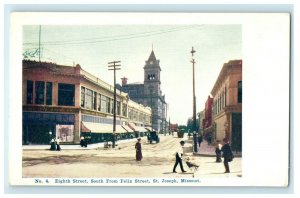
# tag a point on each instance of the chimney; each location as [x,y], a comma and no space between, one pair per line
[124,81]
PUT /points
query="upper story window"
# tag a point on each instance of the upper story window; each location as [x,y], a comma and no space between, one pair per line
[48,93]
[66,94]
[29,99]
[118,108]
[39,92]
[95,101]
[88,99]
[98,102]
[240,92]
[104,105]
[82,96]
[124,109]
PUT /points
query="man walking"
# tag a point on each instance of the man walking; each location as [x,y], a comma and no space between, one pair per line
[227,154]
[178,156]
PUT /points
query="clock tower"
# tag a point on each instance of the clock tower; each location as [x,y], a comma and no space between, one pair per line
[152,92]
[152,76]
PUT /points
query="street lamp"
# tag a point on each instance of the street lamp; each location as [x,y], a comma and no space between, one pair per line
[194,103]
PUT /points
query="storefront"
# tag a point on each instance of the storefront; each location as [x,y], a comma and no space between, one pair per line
[39,128]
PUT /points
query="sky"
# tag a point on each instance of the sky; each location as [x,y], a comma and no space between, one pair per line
[94,46]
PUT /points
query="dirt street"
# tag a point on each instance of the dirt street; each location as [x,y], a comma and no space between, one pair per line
[158,160]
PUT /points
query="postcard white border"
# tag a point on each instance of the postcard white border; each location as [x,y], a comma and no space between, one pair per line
[266,52]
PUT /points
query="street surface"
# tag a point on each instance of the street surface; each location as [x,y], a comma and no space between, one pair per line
[158,161]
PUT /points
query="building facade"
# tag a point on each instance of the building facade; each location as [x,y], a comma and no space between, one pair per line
[149,93]
[227,104]
[69,102]
[208,118]
[201,119]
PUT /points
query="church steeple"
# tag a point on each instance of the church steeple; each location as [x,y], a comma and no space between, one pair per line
[152,56]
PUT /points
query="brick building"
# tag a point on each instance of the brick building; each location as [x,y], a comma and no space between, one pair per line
[68,102]
[227,104]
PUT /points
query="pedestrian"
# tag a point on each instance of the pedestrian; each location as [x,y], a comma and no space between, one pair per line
[178,156]
[218,152]
[200,139]
[53,144]
[83,142]
[138,150]
[227,154]
[58,144]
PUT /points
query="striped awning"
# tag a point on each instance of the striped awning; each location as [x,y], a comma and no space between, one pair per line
[127,128]
[100,128]
[141,129]
[132,126]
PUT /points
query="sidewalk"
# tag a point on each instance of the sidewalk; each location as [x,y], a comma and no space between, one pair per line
[77,146]
[209,150]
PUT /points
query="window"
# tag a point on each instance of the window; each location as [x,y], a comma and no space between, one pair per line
[118,108]
[124,109]
[103,103]
[98,102]
[39,92]
[66,94]
[82,96]
[111,106]
[240,92]
[108,110]
[95,101]
[29,92]
[48,93]
[88,99]
[151,76]
[130,113]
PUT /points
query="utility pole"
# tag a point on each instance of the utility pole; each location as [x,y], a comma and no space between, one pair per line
[40,43]
[151,109]
[194,103]
[114,66]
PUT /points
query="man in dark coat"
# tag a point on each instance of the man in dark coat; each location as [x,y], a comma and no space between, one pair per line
[227,154]
[200,139]
[178,156]
[138,149]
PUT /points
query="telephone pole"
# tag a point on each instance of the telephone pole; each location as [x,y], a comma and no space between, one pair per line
[194,103]
[114,66]
[40,30]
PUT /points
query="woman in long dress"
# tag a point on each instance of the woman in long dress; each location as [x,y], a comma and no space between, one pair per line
[138,149]
[53,144]
[57,144]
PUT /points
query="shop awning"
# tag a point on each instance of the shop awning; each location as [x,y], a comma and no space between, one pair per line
[127,128]
[141,129]
[100,128]
[132,126]
[148,129]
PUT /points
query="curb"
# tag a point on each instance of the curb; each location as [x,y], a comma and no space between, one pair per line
[213,155]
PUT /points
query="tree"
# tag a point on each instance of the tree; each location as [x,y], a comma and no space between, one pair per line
[190,125]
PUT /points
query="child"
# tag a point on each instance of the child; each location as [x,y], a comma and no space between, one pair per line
[218,152]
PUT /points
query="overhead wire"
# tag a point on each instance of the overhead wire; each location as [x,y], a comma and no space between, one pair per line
[114,38]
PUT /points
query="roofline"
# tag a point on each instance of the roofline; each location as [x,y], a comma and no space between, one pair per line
[225,68]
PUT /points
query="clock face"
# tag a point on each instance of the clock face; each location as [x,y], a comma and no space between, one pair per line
[151,62]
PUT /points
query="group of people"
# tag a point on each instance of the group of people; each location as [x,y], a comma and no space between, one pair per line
[55,144]
[224,151]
